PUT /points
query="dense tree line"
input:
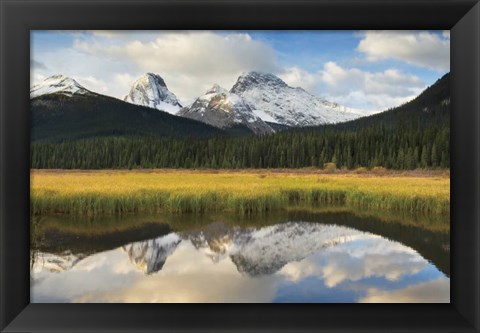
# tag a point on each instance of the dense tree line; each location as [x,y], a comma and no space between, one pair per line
[403,148]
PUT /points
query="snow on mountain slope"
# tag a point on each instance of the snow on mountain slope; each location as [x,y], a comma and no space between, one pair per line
[222,109]
[58,84]
[273,100]
[150,90]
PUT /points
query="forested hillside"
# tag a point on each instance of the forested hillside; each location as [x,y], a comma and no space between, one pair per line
[57,117]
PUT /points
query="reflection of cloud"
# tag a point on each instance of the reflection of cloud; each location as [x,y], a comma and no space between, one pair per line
[357,260]
[190,276]
[437,291]
[390,266]
[90,265]
[92,273]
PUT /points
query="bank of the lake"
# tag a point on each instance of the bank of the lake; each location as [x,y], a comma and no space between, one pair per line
[94,192]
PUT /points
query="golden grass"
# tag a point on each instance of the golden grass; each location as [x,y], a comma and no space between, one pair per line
[117,192]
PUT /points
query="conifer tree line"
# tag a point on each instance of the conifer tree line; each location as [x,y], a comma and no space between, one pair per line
[404,147]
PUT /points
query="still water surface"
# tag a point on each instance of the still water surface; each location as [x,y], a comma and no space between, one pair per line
[301,257]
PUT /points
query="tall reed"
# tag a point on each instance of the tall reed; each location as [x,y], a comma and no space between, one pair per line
[117,192]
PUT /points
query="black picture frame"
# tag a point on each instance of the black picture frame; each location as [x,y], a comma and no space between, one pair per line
[18,17]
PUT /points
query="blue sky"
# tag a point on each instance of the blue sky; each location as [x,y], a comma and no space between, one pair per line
[371,70]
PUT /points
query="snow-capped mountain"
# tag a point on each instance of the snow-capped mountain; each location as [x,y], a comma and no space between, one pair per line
[150,256]
[223,109]
[274,101]
[150,90]
[58,84]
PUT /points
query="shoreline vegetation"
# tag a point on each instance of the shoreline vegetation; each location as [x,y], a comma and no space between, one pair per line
[246,191]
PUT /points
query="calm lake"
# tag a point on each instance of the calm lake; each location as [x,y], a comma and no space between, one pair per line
[338,256]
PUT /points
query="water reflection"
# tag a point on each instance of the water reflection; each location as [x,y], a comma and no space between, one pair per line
[218,262]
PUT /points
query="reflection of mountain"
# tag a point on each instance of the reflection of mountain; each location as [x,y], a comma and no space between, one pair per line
[150,256]
[262,251]
[265,251]
[55,263]
[216,237]
[255,251]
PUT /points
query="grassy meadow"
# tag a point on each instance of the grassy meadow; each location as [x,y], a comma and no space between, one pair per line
[246,191]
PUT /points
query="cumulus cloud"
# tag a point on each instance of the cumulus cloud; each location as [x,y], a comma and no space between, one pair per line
[189,62]
[423,49]
[93,84]
[298,77]
[371,91]
[374,90]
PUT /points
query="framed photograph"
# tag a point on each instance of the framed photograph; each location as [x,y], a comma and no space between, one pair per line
[180,166]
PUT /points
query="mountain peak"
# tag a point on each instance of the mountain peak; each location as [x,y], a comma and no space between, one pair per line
[224,110]
[273,100]
[153,78]
[256,78]
[151,90]
[58,84]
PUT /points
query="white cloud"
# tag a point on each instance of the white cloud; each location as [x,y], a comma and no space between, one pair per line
[189,62]
[298,77]
[424,49]
[371,90]
[93,84]
[93,72]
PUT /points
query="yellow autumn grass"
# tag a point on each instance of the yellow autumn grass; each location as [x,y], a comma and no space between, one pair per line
[114,192]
